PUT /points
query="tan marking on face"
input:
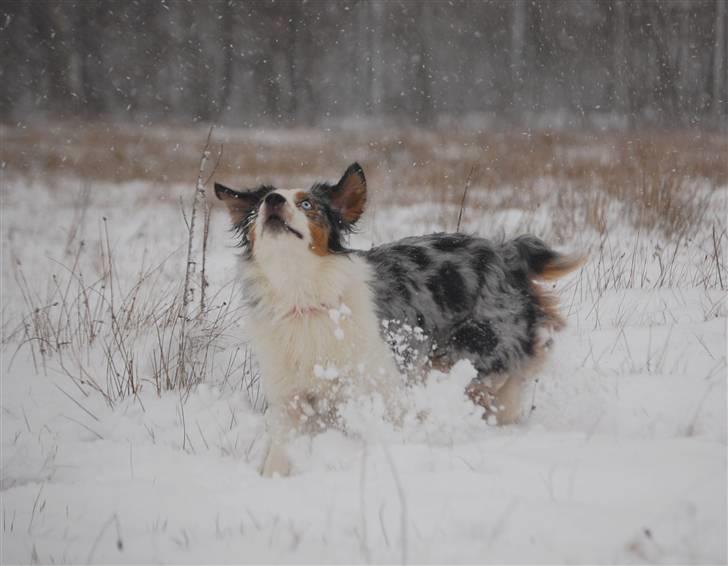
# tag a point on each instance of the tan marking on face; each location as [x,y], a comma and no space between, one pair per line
[317,227]
[299,196]
[319,238]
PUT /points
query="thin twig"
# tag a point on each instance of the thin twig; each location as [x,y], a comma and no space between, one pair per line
[465,194]
[188,290]
[119,544]
[35,507]
[363,507]
[203,276]
[79,423]
[717,258]
[402,500]
[84,409]
[214,169]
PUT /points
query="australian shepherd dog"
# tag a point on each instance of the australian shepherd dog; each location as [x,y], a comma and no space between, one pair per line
[329,322]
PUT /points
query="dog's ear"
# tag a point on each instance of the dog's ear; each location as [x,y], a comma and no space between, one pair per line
[349,195]
[239,203]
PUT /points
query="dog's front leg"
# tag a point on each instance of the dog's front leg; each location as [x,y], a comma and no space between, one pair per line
[276,462]
[281,427]
[285,421]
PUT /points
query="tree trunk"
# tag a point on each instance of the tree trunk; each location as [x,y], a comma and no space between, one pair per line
[622,103]
[424,105]
[90,58]
[375,8]
[518,35]
[56,56]
[226,38]
[719,73]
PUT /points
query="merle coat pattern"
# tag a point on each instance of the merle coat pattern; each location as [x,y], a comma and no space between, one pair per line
[471,299]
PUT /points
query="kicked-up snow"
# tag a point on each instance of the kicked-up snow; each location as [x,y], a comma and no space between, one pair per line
[621,456]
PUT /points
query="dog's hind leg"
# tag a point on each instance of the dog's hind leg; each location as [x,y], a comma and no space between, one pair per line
[501,398]
[508,400]
[501,395]
[483,391]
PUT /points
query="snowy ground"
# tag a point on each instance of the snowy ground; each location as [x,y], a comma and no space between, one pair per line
[623,458]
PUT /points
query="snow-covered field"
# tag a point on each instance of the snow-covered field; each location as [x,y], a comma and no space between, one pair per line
[622,457]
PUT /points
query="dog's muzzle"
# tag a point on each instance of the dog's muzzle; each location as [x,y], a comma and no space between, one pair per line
[274,201]
[275,215]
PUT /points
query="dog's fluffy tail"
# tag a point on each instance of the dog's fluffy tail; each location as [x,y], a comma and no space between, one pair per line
[541,262]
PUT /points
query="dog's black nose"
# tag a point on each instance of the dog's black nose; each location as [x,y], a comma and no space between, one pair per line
[274,200]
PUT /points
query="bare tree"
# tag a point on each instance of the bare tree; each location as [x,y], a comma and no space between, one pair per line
[719,73]
[287,61]
[621,48]
[518,39]
[227,38]
[424,109]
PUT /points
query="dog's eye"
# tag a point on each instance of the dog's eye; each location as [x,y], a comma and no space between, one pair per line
[306,204]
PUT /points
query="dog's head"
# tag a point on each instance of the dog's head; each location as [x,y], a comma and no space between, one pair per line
[317,219]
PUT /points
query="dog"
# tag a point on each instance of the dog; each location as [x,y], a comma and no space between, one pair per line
[329,322]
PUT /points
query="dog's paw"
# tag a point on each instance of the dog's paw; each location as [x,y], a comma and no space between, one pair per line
[276,463]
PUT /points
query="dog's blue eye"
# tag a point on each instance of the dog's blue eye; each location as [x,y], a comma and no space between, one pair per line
[306,205]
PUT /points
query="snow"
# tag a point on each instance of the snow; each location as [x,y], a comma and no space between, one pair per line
[328,372]
[622,458]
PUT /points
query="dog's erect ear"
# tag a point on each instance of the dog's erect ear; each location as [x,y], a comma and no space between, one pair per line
[349,195]
[239,203]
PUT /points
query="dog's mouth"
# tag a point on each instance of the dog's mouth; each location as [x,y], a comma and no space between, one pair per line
[275,223]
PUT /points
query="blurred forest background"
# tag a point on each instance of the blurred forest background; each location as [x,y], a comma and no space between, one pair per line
[569,63]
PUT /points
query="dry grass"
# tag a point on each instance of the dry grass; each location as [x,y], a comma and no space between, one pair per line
[88,320]
[656,175]
[156,332]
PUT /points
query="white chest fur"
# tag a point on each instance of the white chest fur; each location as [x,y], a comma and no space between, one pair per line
[315,329]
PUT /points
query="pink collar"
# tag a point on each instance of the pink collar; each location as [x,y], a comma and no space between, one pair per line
[308,311]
